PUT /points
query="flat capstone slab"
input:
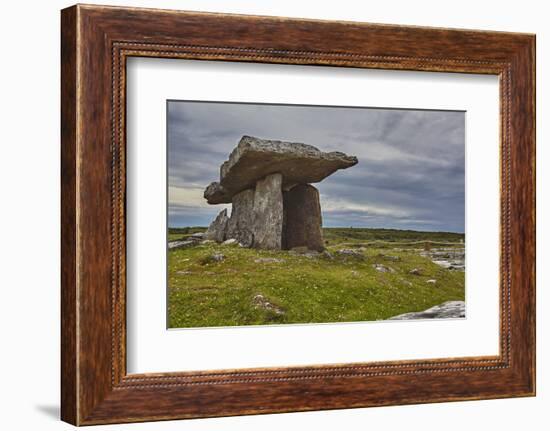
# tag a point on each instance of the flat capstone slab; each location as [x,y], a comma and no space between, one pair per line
[253,159]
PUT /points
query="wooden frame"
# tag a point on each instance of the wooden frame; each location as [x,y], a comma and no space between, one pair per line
[96,41]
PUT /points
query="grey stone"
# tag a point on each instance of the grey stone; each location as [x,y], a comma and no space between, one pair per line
[268,212]
[349,252]
[218,257]
[432,281]
[240,225]
[415,271]
[173,245]
[268,260]
[254,158]
[447,310]
[216,230]
[302,218]
[260,301]
[230,241]
[212,258]
[327,255]
[382,268]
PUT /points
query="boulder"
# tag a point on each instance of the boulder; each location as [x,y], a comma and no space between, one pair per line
[240,225]
[302,218]
[254,158]
[216,230]
[268,212]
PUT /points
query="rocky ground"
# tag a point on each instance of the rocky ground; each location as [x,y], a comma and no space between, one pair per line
[226,284]
[447,310]
[452,258]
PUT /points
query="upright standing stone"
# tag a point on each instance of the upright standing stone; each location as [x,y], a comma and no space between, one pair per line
[216,230]
[302,218]
[241,224]
[268,211]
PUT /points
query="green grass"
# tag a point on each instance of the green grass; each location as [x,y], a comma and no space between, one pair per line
[305,289]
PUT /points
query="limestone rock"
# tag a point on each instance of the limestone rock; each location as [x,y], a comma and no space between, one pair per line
[212,258]
[216,230]
[240,225]
[447,310]
[254,158]
[302,218]
[268,212]
[349,252]
[173,245]
[268,260]
[382,268]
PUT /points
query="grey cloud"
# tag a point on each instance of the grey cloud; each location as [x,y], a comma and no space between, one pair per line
[409,160]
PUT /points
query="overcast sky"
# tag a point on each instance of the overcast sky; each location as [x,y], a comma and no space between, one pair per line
[410,173]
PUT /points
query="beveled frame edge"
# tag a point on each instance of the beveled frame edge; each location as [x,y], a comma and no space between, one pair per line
[96,41]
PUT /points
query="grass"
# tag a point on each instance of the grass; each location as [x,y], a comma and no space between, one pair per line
[285,287]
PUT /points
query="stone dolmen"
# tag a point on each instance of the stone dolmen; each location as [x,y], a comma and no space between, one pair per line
[274,206]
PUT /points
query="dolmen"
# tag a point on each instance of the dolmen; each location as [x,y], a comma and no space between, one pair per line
[274,205]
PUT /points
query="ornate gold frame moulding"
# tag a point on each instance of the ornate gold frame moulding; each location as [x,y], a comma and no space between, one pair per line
[95,42]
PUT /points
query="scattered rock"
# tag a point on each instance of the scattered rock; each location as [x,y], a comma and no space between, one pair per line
[230,241]
[216,230]
[261,301]
[389,257]
[382,268]
[451,258]
[172,245]
[349,252]
[415,271]
[197,235]
[327,255]
[218,257]
[184,272]
[268,260]
[447,310]
[432,281]
[207,241]
[212,258]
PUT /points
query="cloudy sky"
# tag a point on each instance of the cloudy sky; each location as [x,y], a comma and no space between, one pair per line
[410,173]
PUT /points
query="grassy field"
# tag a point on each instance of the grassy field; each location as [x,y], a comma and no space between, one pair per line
[257,287]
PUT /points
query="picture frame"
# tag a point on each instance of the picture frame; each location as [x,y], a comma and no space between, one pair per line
[96,41]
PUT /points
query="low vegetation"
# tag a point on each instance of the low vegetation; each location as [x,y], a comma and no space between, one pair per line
[366,274]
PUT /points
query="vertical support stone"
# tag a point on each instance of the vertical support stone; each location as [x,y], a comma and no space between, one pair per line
[303,219]
[268,212]
[217,229]
[241,224]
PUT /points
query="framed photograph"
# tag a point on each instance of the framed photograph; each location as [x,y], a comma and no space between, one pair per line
[264,214]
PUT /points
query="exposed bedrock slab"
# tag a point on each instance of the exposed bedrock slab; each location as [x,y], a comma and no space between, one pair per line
[302,218]
[447,310]
[268,212]
[240,225]
[217,229]
[254,158]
